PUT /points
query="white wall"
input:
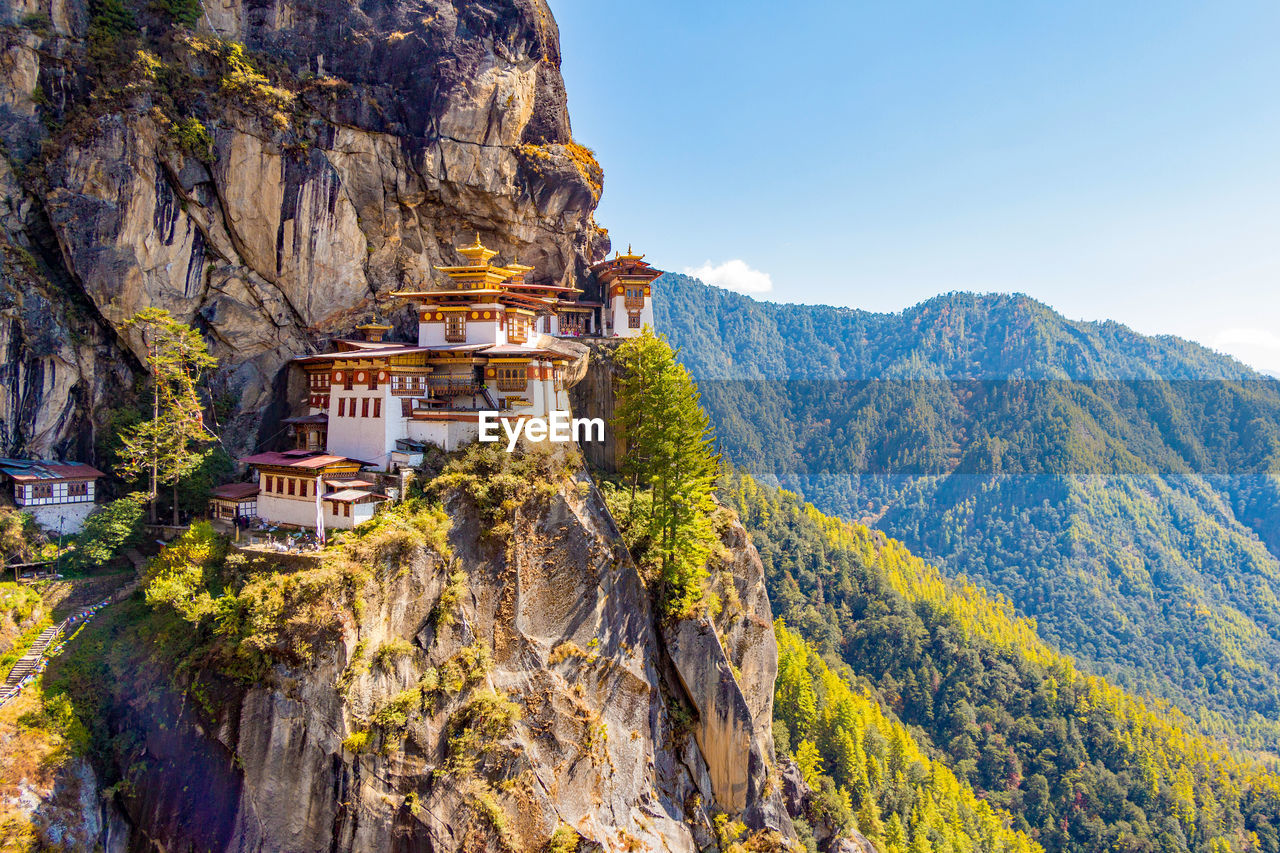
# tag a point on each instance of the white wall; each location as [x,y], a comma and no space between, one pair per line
[24,494]
[486,331]
[360,513]
[449,435]
[70,515]
[619,313]
[301,512]
[286,510]
[541,393]
[368,439]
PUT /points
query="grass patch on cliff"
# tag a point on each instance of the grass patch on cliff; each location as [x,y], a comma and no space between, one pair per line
[497,484]
[21,621]
[541,162]
[390,651]
[40,734]
[244,614]
[476,730]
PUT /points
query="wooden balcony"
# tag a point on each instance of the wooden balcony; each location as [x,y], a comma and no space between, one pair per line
[453,387]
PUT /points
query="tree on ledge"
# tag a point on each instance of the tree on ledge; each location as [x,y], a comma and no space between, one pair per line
[168,447]
[667,443]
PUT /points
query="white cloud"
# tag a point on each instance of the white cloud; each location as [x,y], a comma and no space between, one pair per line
[1264,338]
[1259,348]
[733,275]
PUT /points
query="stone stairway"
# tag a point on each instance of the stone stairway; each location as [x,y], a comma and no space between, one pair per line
[29,661]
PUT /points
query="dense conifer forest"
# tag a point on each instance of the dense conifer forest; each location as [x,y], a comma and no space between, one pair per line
[885,665]
[1119,489]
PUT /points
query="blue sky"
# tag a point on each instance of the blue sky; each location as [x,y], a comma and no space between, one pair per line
[1115,160]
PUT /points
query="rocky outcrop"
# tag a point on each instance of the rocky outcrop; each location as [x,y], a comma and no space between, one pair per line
[271,196]
[384,742]
[799,797]
[726,663]
[592,396]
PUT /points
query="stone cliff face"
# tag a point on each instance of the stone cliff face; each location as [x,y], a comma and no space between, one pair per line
[389,741]
[270,194]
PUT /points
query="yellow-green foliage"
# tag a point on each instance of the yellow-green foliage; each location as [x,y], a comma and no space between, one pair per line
[584,160]
[496,482]
[396,533]
[263,616]
[271,616]
[541,160]
[563,840]
[17,602]
[879,766]
[1072,757]
[238,77]
[356,666]
[467,666]
[357,742]
[1161,743]
[181,574]
[477,728]
[447,608]
[390,651]
[485,805]
[192,135]
[393,714]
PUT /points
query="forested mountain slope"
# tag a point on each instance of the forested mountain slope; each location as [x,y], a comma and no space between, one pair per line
[1118,488]
[1076,762]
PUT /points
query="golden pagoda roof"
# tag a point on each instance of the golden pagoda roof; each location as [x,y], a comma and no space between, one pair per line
[487,270]
[374,326]
[477,252]
[480,278]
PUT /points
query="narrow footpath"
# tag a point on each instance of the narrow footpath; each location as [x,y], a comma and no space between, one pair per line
[33,662]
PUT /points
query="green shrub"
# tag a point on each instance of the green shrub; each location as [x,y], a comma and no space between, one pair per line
[181,575]
[496,482]
[393,715]
[391,651]
[563,840]
[194,138]
[357,742]
[108,532]
[477,728]
[109,20]
[185,12]
[37,22]
[450,603]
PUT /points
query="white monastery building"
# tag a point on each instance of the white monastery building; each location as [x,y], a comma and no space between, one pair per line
[487,342]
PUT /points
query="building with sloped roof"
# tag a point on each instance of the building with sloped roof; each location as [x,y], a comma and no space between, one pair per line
[58,495]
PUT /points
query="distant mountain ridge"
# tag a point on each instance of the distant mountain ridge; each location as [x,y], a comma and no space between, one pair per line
[1121,489]
[768,340]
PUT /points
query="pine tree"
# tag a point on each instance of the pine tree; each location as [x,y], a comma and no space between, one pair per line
[810,763]
[168,447]
[668,449]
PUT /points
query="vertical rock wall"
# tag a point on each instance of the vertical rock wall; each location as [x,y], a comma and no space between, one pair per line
[348,149]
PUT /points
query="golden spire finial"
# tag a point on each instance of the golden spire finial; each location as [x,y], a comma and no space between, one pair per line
[477,242]
[628,248]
